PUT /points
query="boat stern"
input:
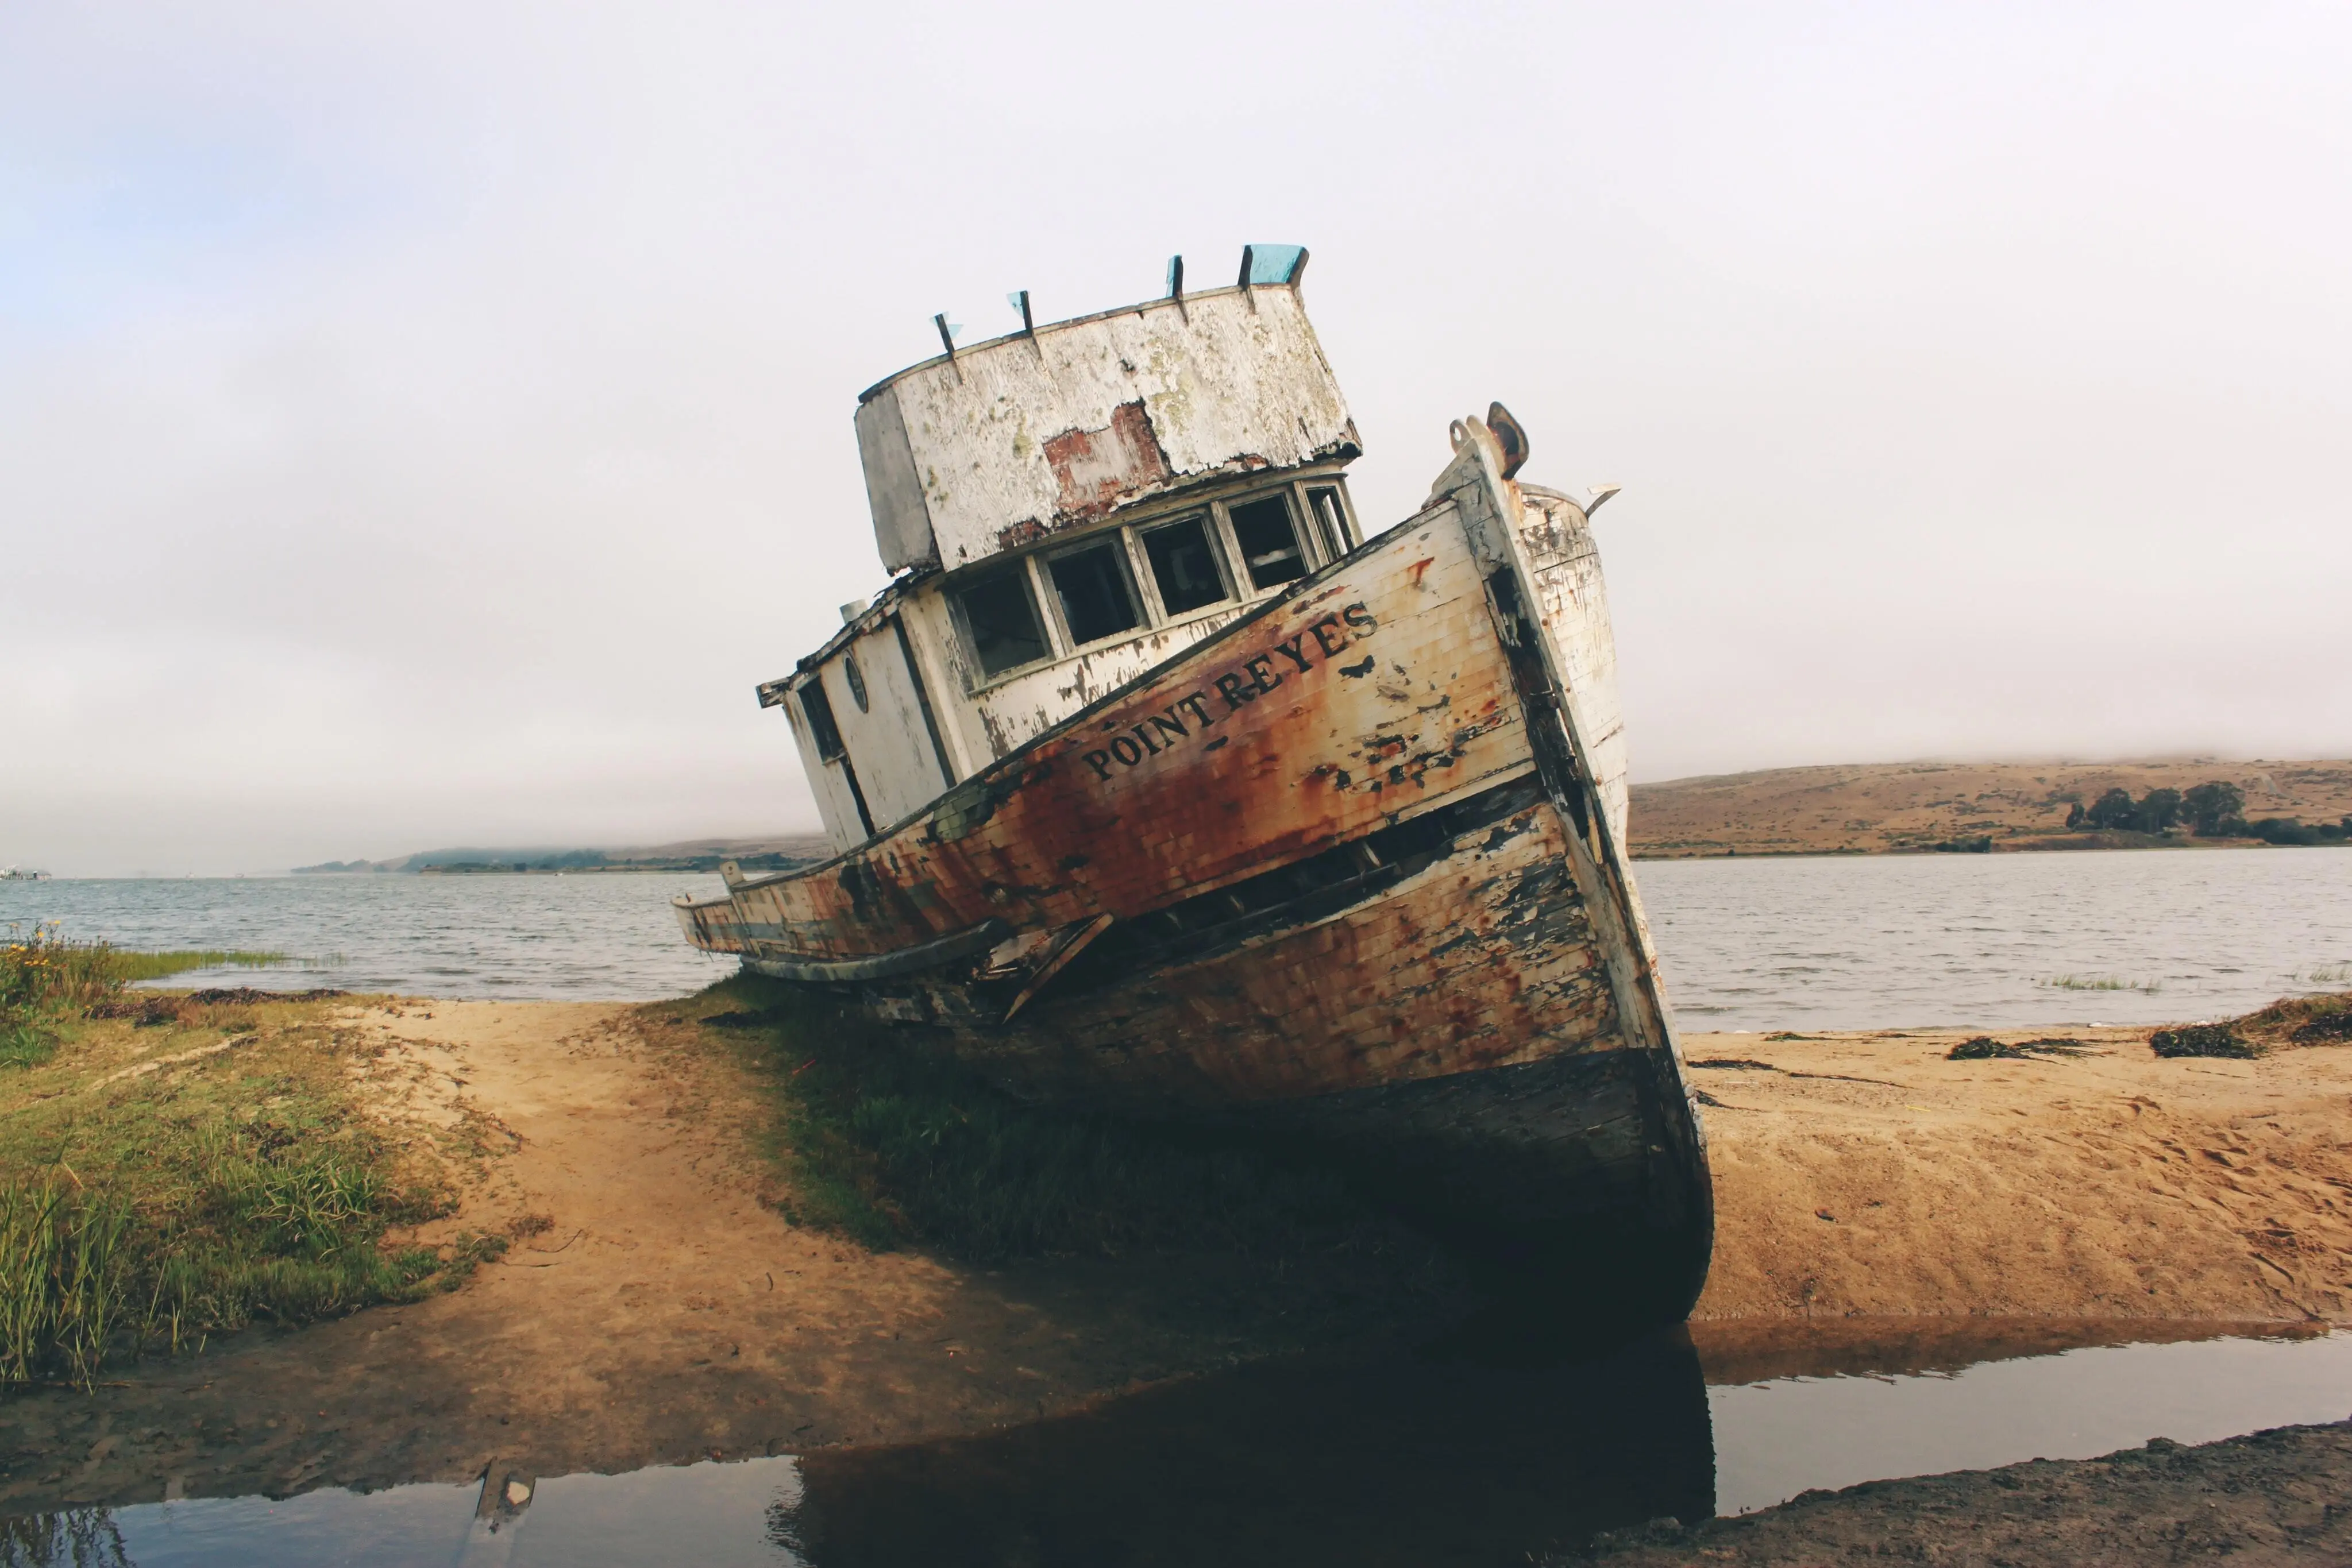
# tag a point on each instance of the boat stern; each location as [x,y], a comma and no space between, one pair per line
[715,925]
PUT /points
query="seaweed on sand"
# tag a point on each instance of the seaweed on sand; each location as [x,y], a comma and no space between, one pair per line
[2203,1040]
[1984,1048]
[2324,1019]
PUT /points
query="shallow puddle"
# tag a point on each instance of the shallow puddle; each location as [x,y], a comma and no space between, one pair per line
[1478,1451]
[1776,1438]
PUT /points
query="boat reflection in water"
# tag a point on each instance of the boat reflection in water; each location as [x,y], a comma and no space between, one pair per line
[1475,1452]
[1482,1451]
[1442,1457]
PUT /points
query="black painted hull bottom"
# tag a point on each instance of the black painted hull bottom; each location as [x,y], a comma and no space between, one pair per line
[1579,1176]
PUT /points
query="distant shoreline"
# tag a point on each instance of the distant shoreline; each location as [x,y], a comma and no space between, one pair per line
[518,870]
[2014,847]
[1975,808]
[776,853]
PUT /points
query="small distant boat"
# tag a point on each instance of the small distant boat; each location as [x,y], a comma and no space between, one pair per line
[1157,785]
[11,874]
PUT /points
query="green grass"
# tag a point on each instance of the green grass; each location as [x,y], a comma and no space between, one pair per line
[889,1145]
[2100,983]
[149,1209]
[134,964]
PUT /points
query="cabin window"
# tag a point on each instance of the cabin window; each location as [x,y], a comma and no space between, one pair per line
[1001,621]
[1330,516]
[818,709]
[1096,601]
[1184,566]
[1269,541]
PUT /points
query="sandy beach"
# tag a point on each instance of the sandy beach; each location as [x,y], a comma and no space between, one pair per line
[1868,1173]
[668,1310]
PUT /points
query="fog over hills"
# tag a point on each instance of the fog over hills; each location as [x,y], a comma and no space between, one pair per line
[771,853]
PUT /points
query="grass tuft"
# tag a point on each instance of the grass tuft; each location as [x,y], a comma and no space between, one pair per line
[146,1209]
[44,979]
[2100,983]
[133,964]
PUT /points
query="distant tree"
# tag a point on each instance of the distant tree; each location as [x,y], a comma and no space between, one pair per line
[2075,815]
[2211,808]
[2113,810]
[2158,809]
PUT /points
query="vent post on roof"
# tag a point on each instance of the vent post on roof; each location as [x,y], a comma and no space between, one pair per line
[1018,300]
[948,331]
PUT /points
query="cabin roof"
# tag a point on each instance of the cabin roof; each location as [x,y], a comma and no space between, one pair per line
[1012,441]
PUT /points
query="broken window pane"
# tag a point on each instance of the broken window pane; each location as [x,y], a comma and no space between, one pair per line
[1269,541]
[1003,622]
[817,709]
[1331,520]
[1184,566]
[1095,601]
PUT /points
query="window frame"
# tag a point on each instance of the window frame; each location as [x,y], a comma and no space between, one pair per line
[1123,554]
[1302,538]
[1350,535]
[818,726]
[1224,546]
[1048,622]
[1221,556]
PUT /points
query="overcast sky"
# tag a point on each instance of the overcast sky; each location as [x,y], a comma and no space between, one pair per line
[424,424]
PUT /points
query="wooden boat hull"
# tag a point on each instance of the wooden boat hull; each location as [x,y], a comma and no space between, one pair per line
[1344,873]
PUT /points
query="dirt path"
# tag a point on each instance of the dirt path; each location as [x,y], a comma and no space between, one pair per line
[667,1312]
[1867,1173]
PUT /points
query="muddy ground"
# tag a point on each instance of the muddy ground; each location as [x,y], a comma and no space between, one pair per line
[2273,1497]
[669,1311]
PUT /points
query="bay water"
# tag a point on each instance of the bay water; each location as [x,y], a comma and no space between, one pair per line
[1832,942]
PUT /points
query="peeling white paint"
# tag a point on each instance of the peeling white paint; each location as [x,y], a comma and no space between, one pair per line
[1003,444]
[1575,606]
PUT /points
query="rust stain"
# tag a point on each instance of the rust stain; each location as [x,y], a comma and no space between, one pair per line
[1189,781]
[1098,468]
[1487,959]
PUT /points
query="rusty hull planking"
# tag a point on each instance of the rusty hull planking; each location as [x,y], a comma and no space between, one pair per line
[1377,690]
[1483,958]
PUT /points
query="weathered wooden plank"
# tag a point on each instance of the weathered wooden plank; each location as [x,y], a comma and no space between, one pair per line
[1481,960]
[1376,690]
[1014,440]
[1574,603]
[882,725]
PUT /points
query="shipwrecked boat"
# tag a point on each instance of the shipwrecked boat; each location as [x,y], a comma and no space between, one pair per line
[1159,785]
